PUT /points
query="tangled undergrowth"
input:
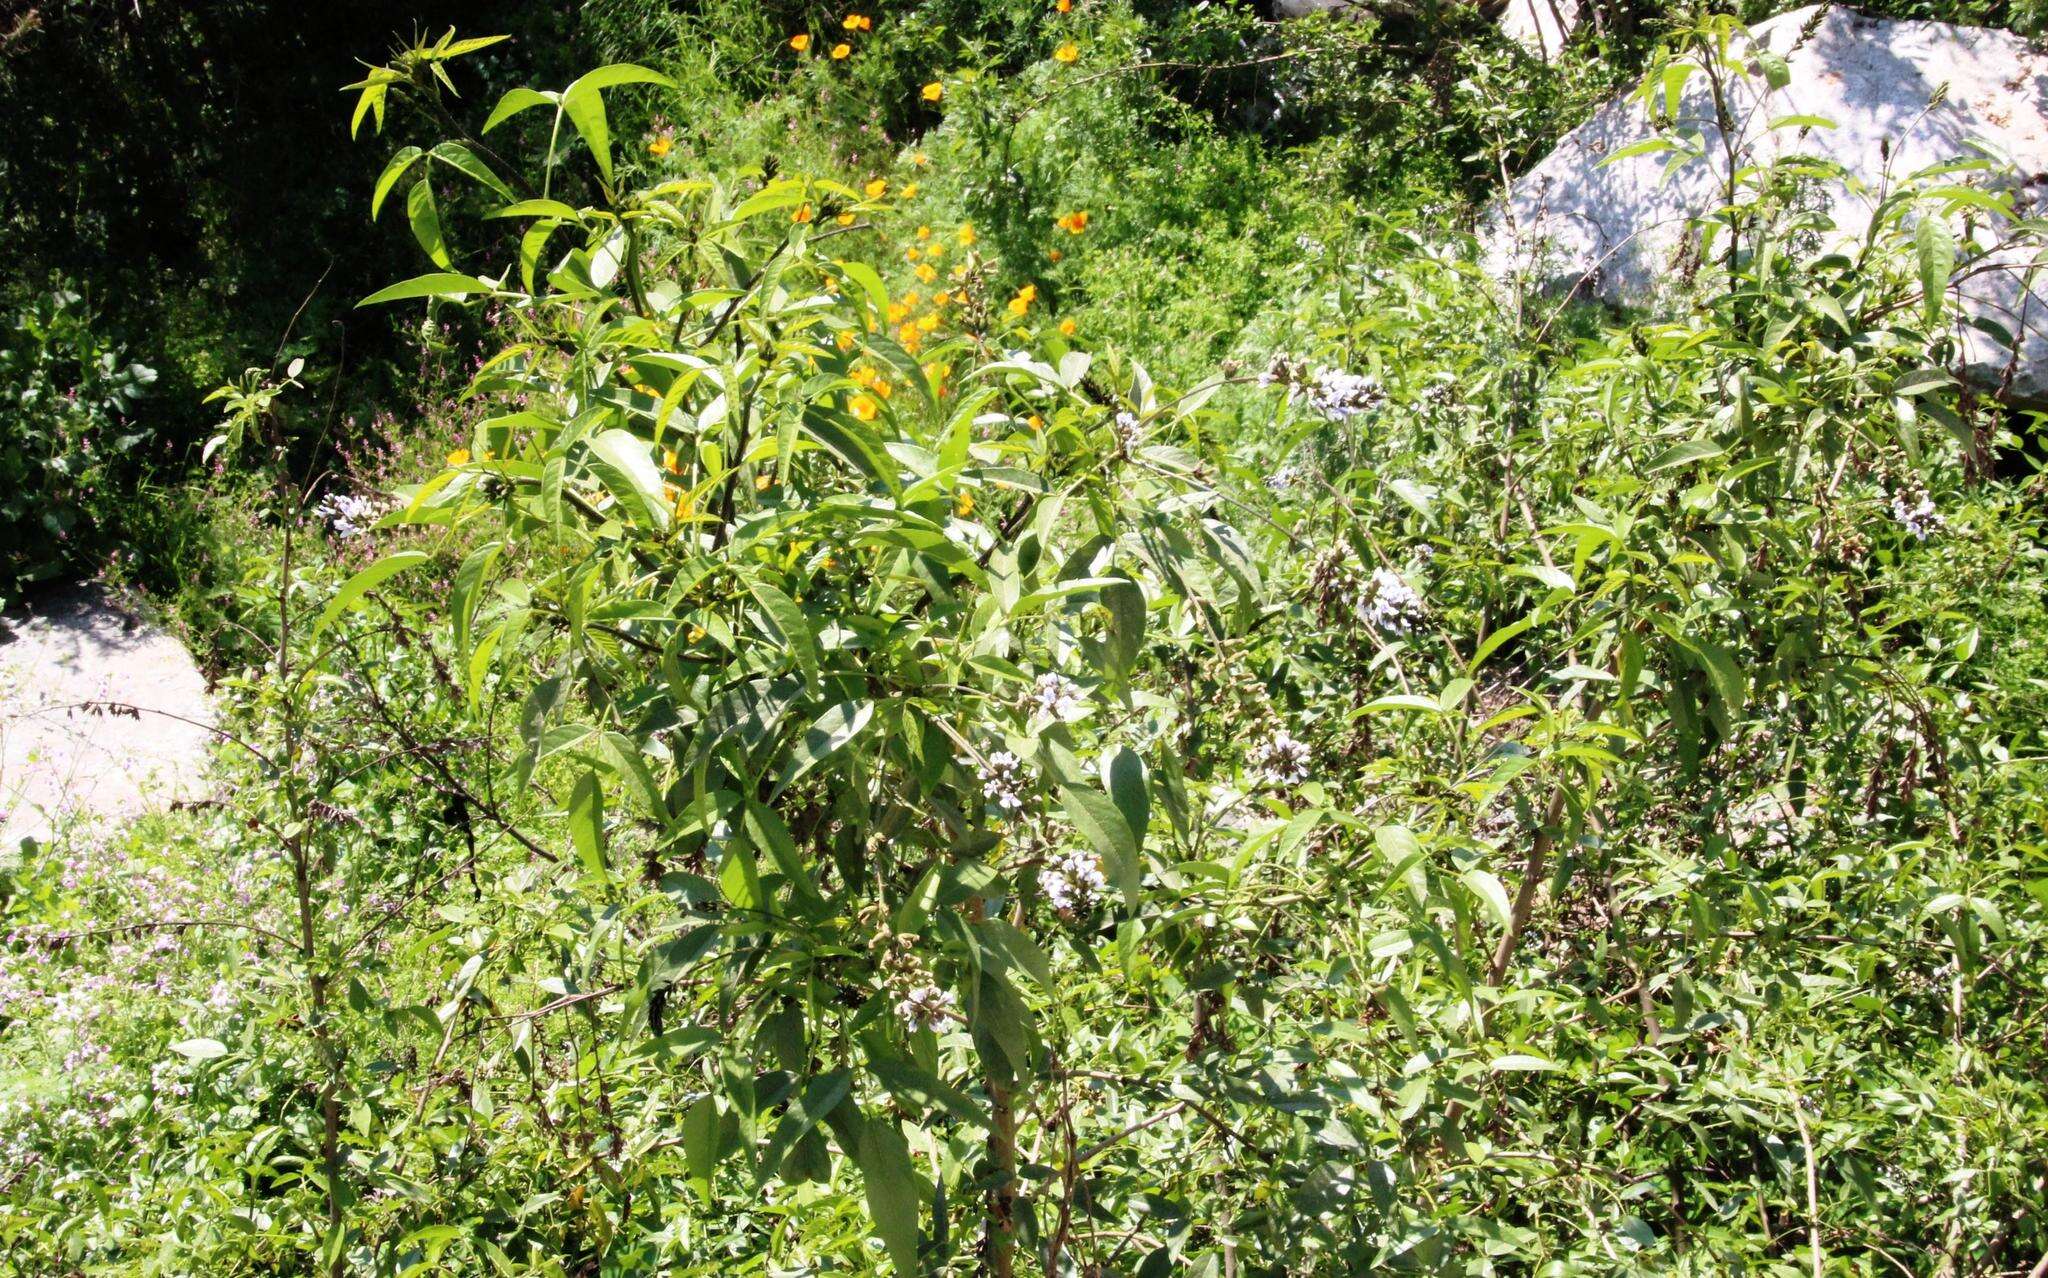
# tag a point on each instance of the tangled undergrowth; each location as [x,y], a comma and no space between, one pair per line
[834,769]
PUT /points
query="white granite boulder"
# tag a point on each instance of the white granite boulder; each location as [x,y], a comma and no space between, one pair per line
[101,716]
[1901,96]
[1309,8]
[1540,26]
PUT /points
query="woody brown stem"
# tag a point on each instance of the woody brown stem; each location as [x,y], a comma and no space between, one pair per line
[1532,882]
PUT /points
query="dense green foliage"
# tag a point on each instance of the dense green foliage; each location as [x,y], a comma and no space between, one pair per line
[998,655]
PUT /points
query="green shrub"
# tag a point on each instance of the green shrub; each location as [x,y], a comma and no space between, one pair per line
[790,773]
[71,443]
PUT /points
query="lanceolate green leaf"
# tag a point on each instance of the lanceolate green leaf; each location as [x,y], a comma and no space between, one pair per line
[767,831]
[393,171]
[583,102]
[426,221]
[355,588]
[1104,825]
[891,1186]
[788,623]
[1123,772]
[468,587]
[624,463]
[463,160]
[1934,251]
[827,736]
[586,822]
[444,285]
[701,1144]
[518,100]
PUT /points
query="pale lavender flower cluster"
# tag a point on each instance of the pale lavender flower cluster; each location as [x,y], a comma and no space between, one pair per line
[1391,604]
[929,1007]
[1282,370]
[1003,780]
[1127,431]
[1284,759]
[1073,880]
[1340,396]
[1917,515]
[1055,696]
[349,515]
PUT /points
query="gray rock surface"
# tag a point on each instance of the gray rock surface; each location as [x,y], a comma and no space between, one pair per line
[1306,8]
[63,753]
[1622,231]
[1541,26]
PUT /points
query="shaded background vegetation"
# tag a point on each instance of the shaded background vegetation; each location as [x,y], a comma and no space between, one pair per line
[1794,880]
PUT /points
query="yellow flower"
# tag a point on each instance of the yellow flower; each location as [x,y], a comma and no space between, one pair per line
[897,311]
[909,338]
[829,562]
[845,219]
[1068,328]
[919,159]
[926,273]
[1067,52]
[803,214]
[858,22]
[801,42]
[1064,6]
[877,188]
[934,91]
[864,408]
[460,457]
[1053,255]
[1019,304]
[845,339]
[924,232]
[668,459]
[966,235]
[963,505]
[912,298]
[696,633]
[762,483]
[1074,223]
[840,52]
[927,323]
[909,190]
[1035,422]
[659,145]
[935,252]
[942,298]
